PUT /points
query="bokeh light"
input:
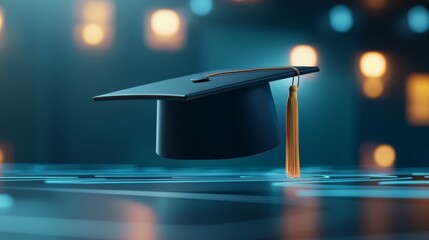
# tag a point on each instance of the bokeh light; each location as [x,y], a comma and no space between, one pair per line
[1,19]
[201,7]
[372,87]
[97,11]
[165,22]
[303,55]
[376,4]
[94,24]
[164,29]
[246,1]
[138,214]
[2,156]
[417,87]
[373,64]
[341,18]
[93,34]
[6,201]
[418,19]
[384,156]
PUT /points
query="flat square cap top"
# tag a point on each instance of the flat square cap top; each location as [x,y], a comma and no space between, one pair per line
[198,85]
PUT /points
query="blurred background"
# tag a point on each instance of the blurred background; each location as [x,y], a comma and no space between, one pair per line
[369,105]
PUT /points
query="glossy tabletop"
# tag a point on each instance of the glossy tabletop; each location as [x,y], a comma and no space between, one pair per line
[128,202]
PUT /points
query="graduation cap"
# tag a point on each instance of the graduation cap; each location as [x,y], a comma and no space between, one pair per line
[216,114]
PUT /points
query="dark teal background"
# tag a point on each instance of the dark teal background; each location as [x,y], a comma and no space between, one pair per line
[47,82]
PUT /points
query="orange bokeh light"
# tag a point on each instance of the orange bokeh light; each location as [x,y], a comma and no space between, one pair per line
[140,219]
[417,89]
[376,4]
[384,156]
[2,157]
[373,87]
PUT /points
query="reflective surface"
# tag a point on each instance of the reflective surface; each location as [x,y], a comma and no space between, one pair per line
[127,202]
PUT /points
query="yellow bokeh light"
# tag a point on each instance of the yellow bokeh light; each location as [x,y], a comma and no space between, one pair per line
[373,87]
[418,99]
[384,155]
[97,11]
[93,34]
[165,22]
[94,28]
[373,64]
[1,19]
[164,29]
[303,55]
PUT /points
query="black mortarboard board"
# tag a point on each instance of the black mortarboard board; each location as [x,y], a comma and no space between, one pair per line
[223,116]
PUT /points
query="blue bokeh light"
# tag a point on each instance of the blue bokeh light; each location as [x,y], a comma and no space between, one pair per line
[341,18]
[418,19]
[201,7]
[6,201]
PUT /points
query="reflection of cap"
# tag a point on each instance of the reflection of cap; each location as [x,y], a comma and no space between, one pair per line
[216,114]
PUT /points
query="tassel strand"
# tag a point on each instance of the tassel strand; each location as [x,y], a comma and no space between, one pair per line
[292,134]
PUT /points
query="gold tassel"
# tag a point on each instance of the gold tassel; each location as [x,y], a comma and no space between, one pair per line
[292,134]
[292,140]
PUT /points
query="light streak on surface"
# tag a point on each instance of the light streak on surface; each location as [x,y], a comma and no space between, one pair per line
[138,213]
